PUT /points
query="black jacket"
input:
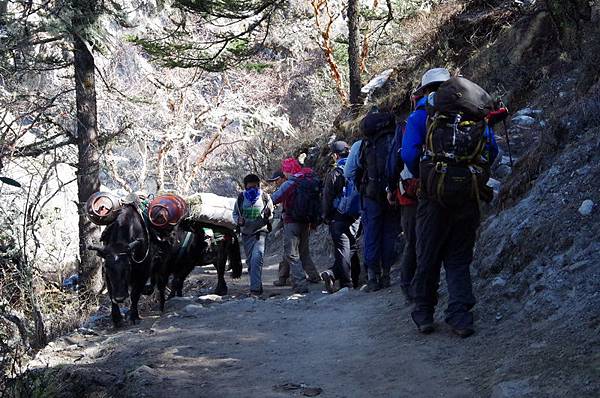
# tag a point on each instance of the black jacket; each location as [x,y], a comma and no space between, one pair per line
[332,189]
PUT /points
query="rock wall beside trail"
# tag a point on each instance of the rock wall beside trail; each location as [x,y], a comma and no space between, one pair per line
[543,252]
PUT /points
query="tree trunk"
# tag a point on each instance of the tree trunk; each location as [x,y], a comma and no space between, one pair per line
[567,15]
[354,53]
[88,174]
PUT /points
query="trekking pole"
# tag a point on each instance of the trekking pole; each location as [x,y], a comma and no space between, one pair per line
[508,143]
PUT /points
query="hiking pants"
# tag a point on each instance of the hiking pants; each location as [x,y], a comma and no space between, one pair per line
[381,225]
[307,263]
[445,235]
[254,246]
[409,256]
[344,233]
[293,236]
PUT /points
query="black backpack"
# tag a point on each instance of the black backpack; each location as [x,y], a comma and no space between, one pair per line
[453,170]
[306,201]
[378,130]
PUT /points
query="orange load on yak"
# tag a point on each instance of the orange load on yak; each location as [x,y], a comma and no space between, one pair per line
[166,211]
[103,207]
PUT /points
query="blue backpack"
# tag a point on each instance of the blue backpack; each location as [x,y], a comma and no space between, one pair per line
[348,203]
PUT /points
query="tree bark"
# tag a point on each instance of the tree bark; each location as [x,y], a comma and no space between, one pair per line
[354,53]
[88,174]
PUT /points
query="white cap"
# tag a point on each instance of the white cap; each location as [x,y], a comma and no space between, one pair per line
[435,75]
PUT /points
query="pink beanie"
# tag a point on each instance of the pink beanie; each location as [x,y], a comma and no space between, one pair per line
[290,166]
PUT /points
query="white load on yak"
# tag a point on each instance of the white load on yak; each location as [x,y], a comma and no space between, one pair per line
[208,208]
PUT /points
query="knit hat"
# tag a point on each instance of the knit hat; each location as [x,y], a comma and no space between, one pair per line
[290,166]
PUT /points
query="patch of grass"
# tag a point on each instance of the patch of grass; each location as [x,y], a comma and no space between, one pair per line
[258,67]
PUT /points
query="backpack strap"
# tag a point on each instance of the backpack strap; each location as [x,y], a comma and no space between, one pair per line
[265,199]
[240,202]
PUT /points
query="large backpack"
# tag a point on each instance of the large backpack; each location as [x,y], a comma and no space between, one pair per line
[348,203]
[378,130]
[453,170]
[306,201]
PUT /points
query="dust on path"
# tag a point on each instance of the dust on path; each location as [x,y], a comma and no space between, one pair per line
[350,344]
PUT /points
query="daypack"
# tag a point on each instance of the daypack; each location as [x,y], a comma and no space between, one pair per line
[374,152]
[348,203]
[453,170]
[265,199]
[306,201]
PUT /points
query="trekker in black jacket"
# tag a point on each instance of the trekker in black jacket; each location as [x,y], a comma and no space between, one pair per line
[343,220]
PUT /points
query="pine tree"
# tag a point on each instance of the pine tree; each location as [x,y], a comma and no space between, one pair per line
[354,52]
[247,25]
[88,173]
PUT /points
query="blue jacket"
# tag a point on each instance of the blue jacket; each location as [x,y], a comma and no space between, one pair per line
[416,131]
[352,162]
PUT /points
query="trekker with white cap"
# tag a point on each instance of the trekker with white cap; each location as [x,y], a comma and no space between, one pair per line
[451,151]
[411,151]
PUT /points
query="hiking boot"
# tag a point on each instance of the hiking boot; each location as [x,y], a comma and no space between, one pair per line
[300,290]
[329,281]
[281,282]
[371,286]
[314,278]
[349,285]
[256,292]
[424,322]
[464,332]
[385,282]
[426,328]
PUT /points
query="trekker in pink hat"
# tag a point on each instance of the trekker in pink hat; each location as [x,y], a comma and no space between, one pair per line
[300,196]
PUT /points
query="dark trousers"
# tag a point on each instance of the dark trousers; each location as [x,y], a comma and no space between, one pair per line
[445,235]
[409,256]
[344,233]
[381,224]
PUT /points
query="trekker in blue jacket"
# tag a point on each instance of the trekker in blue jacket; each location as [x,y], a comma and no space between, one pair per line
[367,166]
[443,234]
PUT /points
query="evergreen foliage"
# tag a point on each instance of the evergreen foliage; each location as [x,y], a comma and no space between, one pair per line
[234,31]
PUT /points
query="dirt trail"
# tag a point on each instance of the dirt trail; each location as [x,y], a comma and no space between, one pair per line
[350,344]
